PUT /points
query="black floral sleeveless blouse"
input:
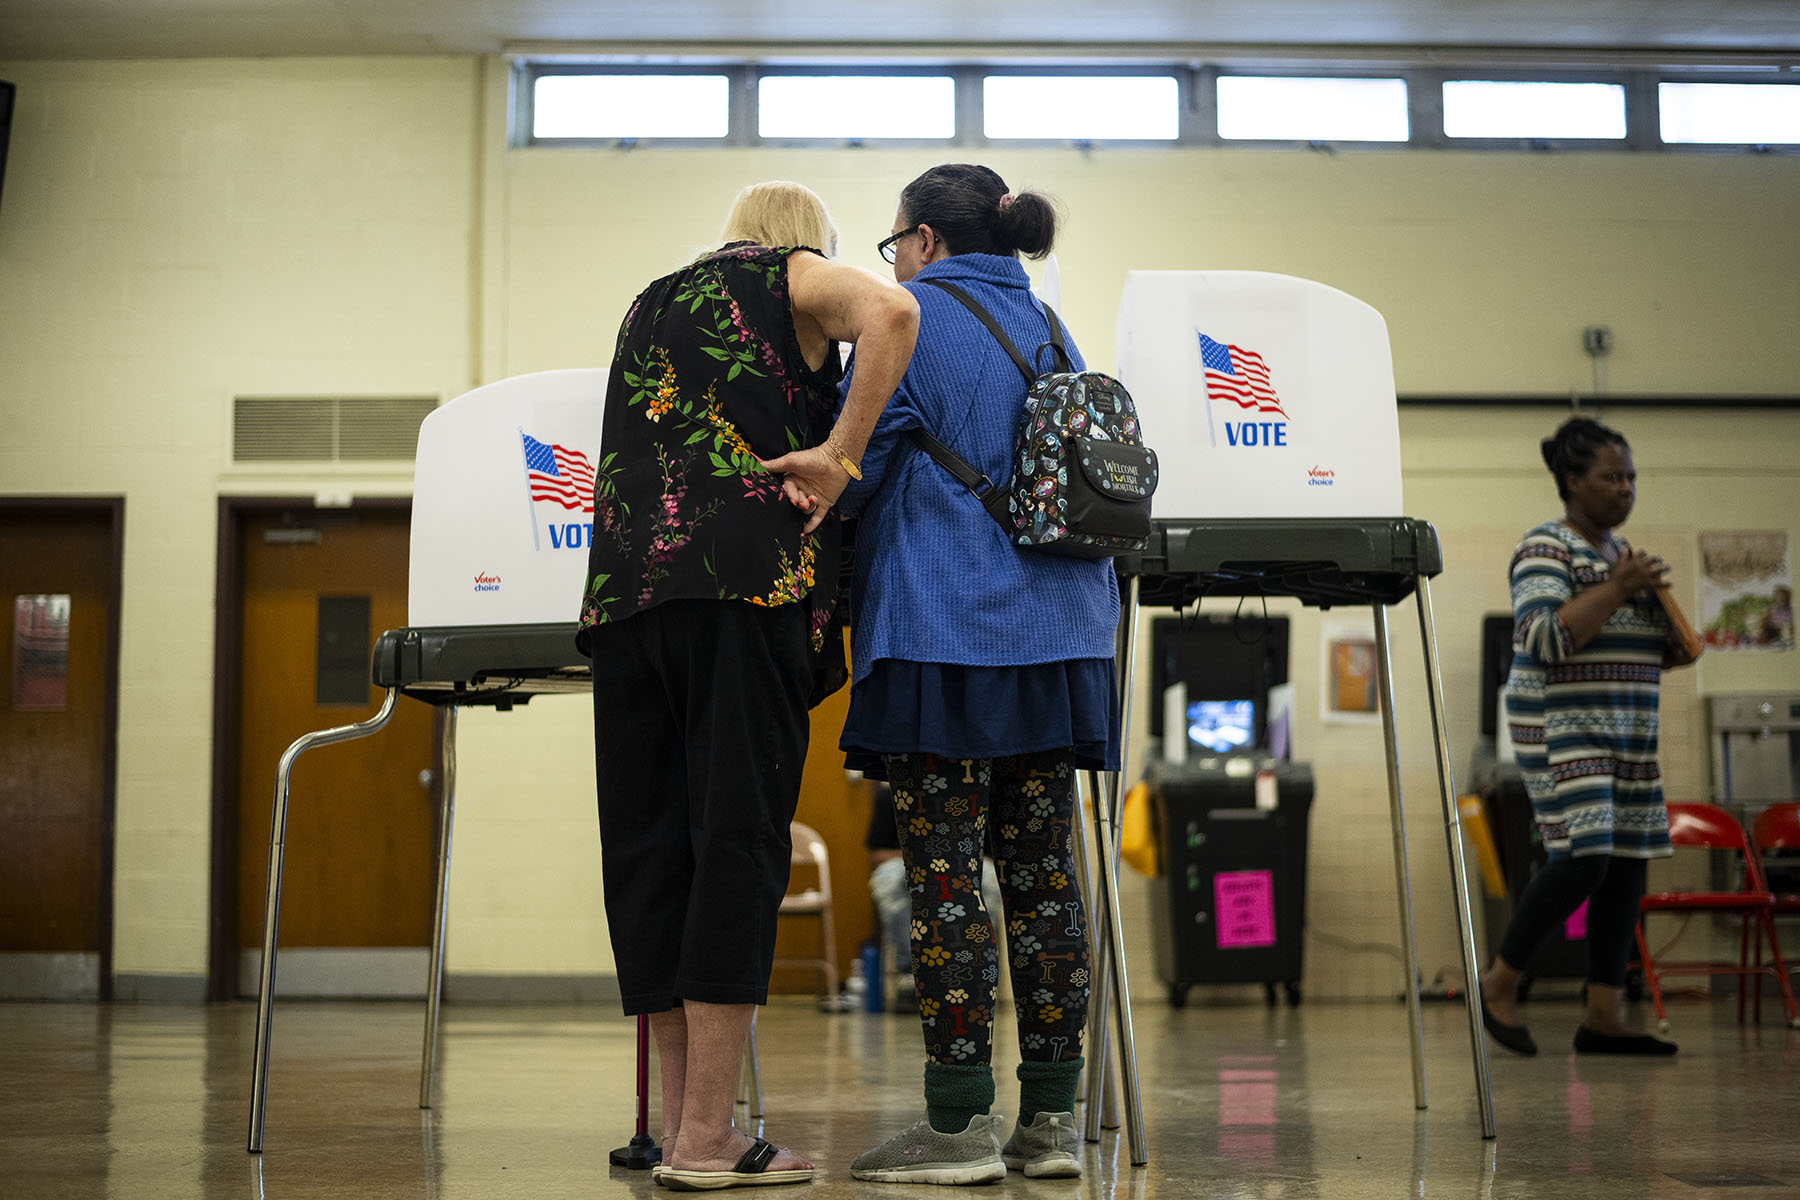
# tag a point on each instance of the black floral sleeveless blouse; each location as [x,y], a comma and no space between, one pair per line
[707,378]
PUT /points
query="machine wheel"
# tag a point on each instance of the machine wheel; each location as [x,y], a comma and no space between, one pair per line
[1292,989]
[1178,995]
[1269,994]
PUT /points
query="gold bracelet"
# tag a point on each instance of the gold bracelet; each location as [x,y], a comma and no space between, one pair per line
[844,460]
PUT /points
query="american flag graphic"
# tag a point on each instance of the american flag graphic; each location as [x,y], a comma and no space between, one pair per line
[559,474]
[1238,375]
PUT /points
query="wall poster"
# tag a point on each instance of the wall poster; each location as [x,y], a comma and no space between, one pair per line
[1349,692]
[1746,590]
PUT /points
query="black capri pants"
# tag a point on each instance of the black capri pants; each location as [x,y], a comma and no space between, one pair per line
[700,731]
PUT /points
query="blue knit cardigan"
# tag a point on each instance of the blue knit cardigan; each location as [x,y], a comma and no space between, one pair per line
[936,579]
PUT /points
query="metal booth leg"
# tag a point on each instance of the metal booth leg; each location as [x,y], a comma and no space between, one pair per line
[1102,1105]
[265,993]
[1459,880]
[750,1076]
[1115,976]
[1402,882]
[435,985]
[1098,1058]
[1109,951]
[1097,1087]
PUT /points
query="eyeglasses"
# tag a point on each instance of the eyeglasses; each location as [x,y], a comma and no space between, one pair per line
[886,246]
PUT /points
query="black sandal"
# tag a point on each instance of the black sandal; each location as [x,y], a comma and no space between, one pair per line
[752,1170]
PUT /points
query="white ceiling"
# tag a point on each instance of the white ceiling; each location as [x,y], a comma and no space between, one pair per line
[1554,30]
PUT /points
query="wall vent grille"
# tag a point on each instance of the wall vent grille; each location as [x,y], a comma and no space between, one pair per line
[327,429]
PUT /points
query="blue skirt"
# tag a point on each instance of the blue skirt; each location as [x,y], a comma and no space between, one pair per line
[983,712]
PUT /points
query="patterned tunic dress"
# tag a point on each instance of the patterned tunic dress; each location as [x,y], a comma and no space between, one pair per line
[1584,722]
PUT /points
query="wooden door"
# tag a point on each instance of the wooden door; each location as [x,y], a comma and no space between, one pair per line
[358,882]
[838,807]
[59,583]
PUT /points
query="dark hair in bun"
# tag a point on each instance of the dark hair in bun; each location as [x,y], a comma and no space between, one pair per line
[969,207]
[1572,449]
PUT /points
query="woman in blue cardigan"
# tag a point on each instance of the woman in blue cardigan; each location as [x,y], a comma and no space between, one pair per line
[983,682]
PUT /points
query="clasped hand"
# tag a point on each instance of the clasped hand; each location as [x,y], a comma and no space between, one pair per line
[1637,570]
[812,480]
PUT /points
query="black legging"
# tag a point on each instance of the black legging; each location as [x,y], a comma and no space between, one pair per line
[1611,885]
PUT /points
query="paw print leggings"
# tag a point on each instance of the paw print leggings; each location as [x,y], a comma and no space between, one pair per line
[1020,810]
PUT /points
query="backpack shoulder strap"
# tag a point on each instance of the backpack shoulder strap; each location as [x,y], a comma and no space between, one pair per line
[993,327]
[1056,341]
[993,499]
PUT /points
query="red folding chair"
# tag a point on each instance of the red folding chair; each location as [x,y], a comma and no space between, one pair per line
[1776,828]
[1709,827]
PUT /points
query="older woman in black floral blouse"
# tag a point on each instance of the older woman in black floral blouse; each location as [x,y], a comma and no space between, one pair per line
[709,593]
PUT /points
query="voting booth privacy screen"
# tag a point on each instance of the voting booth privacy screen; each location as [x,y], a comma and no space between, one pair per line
[503,502]
[1263,395]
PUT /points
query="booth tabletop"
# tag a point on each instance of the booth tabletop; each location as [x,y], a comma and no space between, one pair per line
[496,665]
[1321,562]
[1343,561]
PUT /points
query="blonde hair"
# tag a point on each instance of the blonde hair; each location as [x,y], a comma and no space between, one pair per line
[780,213]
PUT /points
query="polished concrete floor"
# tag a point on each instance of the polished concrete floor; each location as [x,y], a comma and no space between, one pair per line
[1238,1101]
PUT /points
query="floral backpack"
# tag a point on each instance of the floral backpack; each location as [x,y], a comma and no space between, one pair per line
[1082,476]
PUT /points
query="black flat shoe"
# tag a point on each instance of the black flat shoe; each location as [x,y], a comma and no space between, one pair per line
[1516,1038]
[1589,1042]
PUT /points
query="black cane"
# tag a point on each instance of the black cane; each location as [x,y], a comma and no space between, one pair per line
[642,1153]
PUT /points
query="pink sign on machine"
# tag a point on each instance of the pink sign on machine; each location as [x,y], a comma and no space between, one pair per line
[1244,909]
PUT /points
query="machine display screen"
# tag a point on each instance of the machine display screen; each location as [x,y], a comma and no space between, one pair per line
[1221,726]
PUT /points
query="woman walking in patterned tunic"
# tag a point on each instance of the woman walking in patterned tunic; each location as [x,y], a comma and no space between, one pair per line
[983,683]
[1590,642]
[708,597]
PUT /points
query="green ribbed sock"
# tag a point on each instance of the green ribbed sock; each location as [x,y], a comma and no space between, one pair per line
[1047,1087]
[956,1094]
